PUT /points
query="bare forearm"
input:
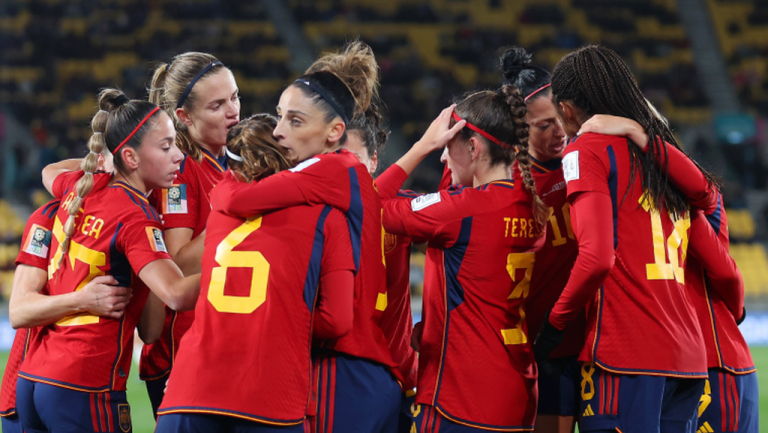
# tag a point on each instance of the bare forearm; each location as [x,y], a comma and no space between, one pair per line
[51,171]
[35,309]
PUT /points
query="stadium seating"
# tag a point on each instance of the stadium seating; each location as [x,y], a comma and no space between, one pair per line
[58,54]
[11,228]
[743,34]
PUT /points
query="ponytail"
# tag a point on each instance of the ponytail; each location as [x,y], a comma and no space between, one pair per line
[516,102]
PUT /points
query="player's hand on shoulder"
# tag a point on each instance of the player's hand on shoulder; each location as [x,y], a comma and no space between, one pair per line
[614,125]
[103,297]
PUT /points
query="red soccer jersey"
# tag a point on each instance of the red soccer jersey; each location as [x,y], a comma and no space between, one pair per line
[340,180]
[185,205]
[475,362]
[717,312]
[35,244]
[644,294]
[117,233]
[555,259]
[397,320]
[259,286]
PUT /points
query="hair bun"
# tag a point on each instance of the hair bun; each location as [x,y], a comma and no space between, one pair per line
[512,61]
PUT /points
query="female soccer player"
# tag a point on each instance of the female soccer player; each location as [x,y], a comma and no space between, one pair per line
[365,138]
[558,394]
[361,394]
[730,397]
[301,271]
[476,368]
[30,308]
[627,384]
[200,94]
[112,231]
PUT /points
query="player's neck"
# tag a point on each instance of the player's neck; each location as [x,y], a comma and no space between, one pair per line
[130,180]
[497,172]
[536,155]
[215,150]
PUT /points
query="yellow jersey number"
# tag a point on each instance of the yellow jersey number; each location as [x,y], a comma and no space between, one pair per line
[76,253]
[517,261]
[661,269]
[559,238]
[227,258]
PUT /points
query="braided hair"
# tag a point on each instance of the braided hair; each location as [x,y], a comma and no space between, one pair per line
[117,121]
[597,81]
[502,114]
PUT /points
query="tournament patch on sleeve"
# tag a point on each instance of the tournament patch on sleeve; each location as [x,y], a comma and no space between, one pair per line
[304,165]
[425,201]
[38,241]
[156,239]
[175,200]
[571,166]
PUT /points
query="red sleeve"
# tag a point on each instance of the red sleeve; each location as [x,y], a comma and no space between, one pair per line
[591,213]
[337,244]
[36,239]
[314,181]
[722,273]
[64,182]
[142,242]
[390,182]
[334,313]
[583,170]
[684,174]
[180,203]
[424,217]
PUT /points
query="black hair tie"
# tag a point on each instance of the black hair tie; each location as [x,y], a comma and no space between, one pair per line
[194,80]
[317,88]
[121,100]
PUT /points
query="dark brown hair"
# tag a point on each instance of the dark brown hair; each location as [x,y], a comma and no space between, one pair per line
[597,81]
[252,140]
[502,114]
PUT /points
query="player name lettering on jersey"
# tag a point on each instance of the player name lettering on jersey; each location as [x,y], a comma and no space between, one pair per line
[520,228]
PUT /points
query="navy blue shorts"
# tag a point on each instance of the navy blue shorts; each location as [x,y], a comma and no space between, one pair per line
[48,408]
[729,403]
[11,424]
[428,420]
[156,392]
[637,403]
[559,395]
[354,396]
[205,423]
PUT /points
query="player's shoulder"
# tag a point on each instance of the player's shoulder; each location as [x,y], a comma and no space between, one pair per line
[47,211]
[593,142]
[128,204]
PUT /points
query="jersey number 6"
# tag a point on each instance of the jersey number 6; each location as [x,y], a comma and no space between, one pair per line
[227,258]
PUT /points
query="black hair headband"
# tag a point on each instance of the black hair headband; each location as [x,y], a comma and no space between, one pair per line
[194,80]
[319,90]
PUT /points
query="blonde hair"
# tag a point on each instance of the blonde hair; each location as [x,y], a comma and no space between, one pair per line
[170,81]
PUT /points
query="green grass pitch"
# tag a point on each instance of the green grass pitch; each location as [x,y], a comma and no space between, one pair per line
[141,411]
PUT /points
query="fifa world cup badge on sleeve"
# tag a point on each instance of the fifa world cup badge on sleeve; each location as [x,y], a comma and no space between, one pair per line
[175,199]
[38,241]
[425,201]
[571,166]
[156,239]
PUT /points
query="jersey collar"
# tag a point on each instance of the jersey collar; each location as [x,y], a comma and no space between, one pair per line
[220,164]
[546,166]
[131,190]
[505,183]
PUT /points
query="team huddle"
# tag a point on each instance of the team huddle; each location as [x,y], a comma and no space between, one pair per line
[577,265]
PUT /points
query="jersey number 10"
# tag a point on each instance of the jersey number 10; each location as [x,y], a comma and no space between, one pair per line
[660,269]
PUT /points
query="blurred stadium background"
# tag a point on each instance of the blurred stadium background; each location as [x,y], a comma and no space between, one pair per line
[702,62]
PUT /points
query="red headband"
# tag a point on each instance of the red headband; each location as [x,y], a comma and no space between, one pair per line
[136,129]
[481,132]
[536,91]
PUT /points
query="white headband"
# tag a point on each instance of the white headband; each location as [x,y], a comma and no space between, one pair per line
[233,156]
